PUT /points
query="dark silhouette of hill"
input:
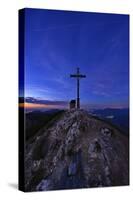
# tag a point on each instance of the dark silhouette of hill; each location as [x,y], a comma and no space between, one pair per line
[36,120]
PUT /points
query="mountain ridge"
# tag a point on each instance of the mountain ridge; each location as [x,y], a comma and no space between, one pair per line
[75,152]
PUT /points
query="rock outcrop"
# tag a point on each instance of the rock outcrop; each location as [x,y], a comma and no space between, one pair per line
[78,151]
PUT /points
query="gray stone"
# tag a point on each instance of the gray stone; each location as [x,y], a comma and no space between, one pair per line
[43,185]
[72,169]
[106,131]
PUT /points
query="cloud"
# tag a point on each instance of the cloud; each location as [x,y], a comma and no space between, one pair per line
[101,93]
[38,103]
[110,117]
[45,102]
[53,28]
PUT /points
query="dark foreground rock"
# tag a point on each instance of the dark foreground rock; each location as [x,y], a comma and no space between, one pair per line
[79,151]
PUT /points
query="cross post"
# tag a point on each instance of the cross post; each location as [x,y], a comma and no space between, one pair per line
[78,76]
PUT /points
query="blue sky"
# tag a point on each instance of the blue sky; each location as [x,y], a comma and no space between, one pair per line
[57,42]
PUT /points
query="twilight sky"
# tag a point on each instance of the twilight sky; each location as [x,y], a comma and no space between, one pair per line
[57,42]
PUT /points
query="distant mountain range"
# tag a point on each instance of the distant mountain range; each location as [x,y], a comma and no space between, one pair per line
[118,117]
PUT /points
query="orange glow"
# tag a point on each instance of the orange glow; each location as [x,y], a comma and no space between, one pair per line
[35,105]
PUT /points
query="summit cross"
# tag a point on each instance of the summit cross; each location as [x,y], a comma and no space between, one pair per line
[78,76]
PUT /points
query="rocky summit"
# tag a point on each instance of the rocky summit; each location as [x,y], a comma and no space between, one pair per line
[77,151]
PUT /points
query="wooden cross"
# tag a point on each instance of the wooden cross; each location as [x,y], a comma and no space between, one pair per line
[78,76]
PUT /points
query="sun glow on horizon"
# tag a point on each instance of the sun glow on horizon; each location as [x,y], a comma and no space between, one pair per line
[35,105]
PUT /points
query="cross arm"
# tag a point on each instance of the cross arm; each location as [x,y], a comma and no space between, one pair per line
[77,76]
[73,75]
[82,76]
